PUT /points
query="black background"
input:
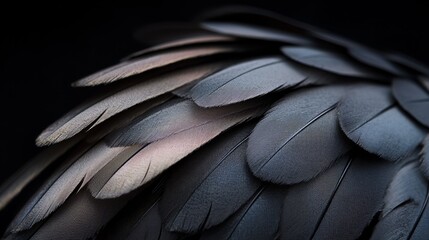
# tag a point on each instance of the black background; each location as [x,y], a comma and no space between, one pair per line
[44,50]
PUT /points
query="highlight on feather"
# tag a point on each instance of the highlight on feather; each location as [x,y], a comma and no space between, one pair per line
[244,125]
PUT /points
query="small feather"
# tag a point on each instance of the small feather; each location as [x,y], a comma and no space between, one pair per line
[329,61]
[340,203]
[413,98]
[370,118]
[259,218]
[93,114]
[299,137]
[160,155]
[246,30]
[405,214]
[245,81]
[138,66]
[210,185]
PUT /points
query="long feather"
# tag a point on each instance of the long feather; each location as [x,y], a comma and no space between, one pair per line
[64,182]
[338,204]
[138,66]
[259,218]
[246,30]
[210,185]
[245,81]
[94,114]
[299,137]
[171,119]
[330,61]
[405,214]
[160,155]
[370,118]
[413,98]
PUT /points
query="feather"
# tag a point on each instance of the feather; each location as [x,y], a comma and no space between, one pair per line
[170,119]
[259,218]
[370,118]
[138,66]
[71,177]
[405,214]
[245,81]
[424,81]
[298,138]
[330,61]
[210,185]
[160,155]
[375,59]
[338,204]
[424,163]
[189,41]
[15,184]
[409,63]
[93,114]
[81,217]
[245,30]
[413,98]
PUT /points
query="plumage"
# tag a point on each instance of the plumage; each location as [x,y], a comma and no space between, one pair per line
[243,125]
[138,66]
[158,156]
[329,61]
[338,204]
[371,119]
[413,98]
[405,214]
[245,81]
[217,172]
[298,138]
[93,114]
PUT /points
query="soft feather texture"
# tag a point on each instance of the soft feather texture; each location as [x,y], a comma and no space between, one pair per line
[405,214]
[329,61]
[95,113]
[298,138]
[138,66]
[210,185]
[160,155]
[259,218]
[245,81]
[370,118]
[413,98]
[340,203]
[424,165]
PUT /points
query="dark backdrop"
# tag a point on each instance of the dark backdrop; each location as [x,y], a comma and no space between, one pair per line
[44,50]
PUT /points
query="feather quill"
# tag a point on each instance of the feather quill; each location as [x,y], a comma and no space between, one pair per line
[245,81]
[299,137]
[413,98]
[370,118]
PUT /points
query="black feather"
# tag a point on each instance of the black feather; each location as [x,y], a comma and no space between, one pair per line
[370,118]
[298,138]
